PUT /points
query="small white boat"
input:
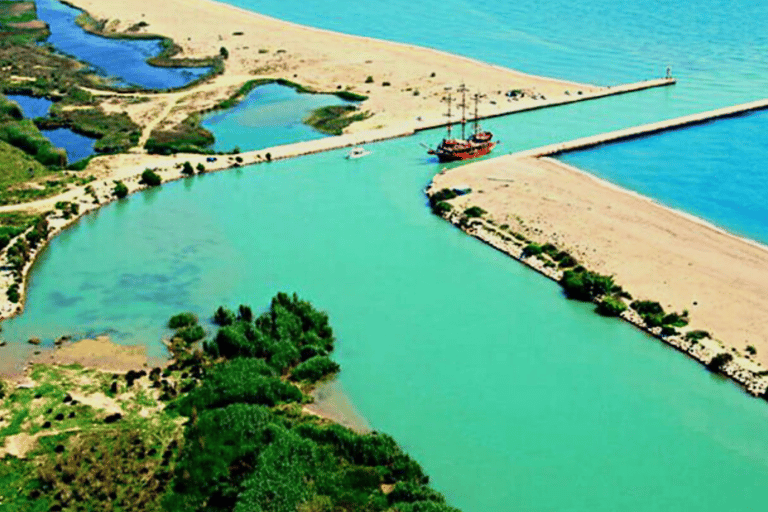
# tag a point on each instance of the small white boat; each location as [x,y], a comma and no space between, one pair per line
[358,152]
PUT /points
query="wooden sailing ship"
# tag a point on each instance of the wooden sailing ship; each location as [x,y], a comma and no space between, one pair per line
[478,144]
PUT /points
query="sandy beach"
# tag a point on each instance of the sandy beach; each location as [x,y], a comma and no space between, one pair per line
[260,46]
[654,252]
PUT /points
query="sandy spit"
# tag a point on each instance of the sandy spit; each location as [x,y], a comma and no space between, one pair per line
[654,252]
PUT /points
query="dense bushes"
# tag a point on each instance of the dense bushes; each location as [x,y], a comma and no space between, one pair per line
[720,360]
[120,190]
[585,285]
[611,306]
[187,137]
[474,211]
[26,136]
[242,456]
[315,368]
[182,320]
[150,178]
[241,381]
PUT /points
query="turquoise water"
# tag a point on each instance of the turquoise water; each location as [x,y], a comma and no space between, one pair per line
[31,107]
[715,170]
[77,146]
[269,116]
[122,59]
[511,397]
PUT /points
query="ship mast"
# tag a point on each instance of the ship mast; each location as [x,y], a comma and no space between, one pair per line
[463,90]
[477,124]
[448,99]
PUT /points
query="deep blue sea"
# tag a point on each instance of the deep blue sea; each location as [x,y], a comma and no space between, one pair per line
[511,397]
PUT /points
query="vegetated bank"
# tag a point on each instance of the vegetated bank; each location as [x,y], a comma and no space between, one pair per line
[221,428]
[610,299]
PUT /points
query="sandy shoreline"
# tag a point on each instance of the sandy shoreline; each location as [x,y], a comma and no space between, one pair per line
[264,47]
[654,252]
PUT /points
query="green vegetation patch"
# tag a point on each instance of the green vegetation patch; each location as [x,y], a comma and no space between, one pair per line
[333,119]
[24,135]
[115,133]
[187,137]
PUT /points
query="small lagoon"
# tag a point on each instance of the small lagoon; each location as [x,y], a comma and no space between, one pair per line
[122,59]
[270,115]
[77,146]
[31,107]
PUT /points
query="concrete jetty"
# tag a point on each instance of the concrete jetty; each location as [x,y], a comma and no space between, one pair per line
[573,98]
[642,130]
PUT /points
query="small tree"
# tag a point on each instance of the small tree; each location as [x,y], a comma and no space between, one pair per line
[200,167]
[369,80]
[150,178]
[187,169]
[224,53]
[120,190]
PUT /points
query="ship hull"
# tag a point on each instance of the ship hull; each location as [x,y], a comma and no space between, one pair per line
[468,154]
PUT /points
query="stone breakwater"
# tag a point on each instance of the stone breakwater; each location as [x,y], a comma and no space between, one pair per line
[739,369]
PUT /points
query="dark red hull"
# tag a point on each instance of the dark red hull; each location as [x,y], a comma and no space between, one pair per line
[465,154]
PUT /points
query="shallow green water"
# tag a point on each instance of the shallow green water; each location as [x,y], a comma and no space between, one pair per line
[512,397]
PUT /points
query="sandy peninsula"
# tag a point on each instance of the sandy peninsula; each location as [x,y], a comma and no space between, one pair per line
[260,46]
[654,252]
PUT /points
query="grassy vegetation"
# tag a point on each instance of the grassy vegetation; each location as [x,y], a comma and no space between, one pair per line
[17,23]
[240,444]
[187,137]
[115,133]
[333,119]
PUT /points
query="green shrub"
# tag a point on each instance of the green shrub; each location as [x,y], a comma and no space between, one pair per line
[315,369]
[27,137]
[720,360]
[647,307]
[351,96]
[585,286]
[187,169]
[675,319]
[696,335]
[409,492]
[441,208]
[182,320]
[13,293]
[531,250]
[474,211]
[567,261]
[120,190]
[210,468]
[369,79]
[550,250]
[191,333]
[223,316]
[242,380]
[150,178]
[668,330]
[611,306]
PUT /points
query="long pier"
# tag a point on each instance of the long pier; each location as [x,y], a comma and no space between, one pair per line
[573,98]
[642,130]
